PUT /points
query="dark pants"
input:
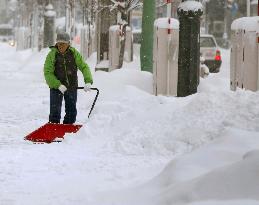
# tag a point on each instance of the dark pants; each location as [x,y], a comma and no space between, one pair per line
[56,98]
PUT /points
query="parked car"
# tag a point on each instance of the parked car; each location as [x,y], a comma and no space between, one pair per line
[6,32]
[210,51]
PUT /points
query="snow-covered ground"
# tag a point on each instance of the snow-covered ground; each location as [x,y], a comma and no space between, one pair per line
[136,148]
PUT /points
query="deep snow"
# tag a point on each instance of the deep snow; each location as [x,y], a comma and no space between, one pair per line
[136,148]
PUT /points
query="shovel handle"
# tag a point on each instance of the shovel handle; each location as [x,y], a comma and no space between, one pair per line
[80,88]
[97,94]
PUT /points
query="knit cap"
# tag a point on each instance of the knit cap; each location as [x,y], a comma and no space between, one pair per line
[63,37]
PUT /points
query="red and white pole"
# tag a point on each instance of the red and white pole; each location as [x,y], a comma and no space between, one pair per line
[169,14]
[169,8]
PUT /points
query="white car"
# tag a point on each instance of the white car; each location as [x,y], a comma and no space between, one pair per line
[210,51]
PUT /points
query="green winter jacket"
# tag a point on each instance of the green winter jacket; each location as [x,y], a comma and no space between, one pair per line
[49,68]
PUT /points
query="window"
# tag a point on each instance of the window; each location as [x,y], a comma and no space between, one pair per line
[5,32]
[207,42]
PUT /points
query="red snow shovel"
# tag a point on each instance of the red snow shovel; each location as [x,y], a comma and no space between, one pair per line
[52,132]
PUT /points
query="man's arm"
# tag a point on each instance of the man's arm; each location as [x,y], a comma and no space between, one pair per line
[49,68]
[83,67]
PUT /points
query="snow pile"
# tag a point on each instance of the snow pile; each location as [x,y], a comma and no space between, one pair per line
[190,5]
[167,23]
[49,11]
[246,23]
[229,172]
[194,150]
[239,180]
[115,28]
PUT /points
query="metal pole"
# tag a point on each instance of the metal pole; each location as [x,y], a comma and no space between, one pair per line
[67,16]
[225,21]
[95,99]
[146,49]
[206,18]
[73,20]
[248,7]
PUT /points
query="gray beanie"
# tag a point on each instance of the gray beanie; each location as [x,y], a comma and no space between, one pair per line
[63,37]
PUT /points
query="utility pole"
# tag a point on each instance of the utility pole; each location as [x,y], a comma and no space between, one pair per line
[73,23]
[206,18]
[49,26]
[248,8]
[146,49]
[68,16]
[105,18]
[189,48]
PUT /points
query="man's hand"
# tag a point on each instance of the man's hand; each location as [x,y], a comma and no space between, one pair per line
[62,89]
[87,87]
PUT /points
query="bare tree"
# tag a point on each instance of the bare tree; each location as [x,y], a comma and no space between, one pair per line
[123,8]
[105,18]
[24,23]
[88,15]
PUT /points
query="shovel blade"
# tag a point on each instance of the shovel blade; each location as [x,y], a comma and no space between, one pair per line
[50,131]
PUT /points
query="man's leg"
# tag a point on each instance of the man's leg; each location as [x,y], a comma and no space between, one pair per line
[56,98]
[70,106]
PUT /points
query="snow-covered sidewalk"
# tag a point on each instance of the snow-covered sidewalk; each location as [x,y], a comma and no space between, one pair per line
[129,141]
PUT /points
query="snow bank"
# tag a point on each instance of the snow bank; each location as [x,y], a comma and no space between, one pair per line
[228,202]
[132,136]
[49,11]
[167,23]
[117,28]
[226,183]
[190,5]
[246,23]
[225,170]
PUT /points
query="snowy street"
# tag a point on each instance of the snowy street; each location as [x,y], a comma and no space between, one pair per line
[136,148]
